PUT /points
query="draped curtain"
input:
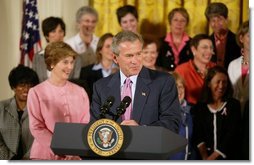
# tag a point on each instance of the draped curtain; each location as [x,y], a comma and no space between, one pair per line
[153,15]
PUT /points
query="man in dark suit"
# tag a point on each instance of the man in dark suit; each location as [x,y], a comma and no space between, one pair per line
[154,94]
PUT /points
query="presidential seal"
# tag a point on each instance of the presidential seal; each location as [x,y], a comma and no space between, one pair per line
[105,137]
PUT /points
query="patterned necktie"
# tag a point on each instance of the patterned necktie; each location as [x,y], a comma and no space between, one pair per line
[126,91]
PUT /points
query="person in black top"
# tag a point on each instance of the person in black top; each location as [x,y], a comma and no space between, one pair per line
[224,40]
[175,46]
[217,119]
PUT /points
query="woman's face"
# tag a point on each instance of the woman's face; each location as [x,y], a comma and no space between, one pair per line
[178,23]
[21,91]
[150,55]
[87,24]
[218,85]
[106,51]
[245,39]
[180,89]
[56,35]
[129,22]
[63,68]
[204,51]
[219,24]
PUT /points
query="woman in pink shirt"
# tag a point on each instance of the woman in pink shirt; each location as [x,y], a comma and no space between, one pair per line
[175,46]
[55,100]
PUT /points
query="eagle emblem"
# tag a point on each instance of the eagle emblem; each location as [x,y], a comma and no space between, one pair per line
[105,137]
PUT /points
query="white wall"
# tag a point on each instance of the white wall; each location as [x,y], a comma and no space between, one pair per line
[10,29]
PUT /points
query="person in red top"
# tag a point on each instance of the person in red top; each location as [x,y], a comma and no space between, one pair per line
[194,71]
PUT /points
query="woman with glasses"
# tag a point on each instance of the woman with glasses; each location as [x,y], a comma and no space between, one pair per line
[15,137]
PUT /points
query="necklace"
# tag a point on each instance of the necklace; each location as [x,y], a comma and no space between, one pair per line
[244,62]
[201,73]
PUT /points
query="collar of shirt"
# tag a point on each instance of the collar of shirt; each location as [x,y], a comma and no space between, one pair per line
[133,79]
[133,86]
[169,39]
[105,72]
[220,38]
[82,46]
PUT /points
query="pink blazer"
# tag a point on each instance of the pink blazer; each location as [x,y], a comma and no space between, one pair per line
[48,104]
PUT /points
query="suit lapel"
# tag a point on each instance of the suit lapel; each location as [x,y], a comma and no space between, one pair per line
[113,89]
[12,109]
[141,93]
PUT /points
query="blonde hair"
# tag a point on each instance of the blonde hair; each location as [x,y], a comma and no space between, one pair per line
[178,77]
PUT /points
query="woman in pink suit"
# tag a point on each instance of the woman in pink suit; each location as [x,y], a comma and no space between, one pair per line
[55,100]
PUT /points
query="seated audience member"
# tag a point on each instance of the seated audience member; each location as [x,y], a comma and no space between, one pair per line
[175,46]
[150,52]
[15,137]
[53,29]
[185,128]
[154,95]
[85,42]
[226,48]
[127,17]
[55,100]
[217,118]
[104,66]
[194,71]
[238,69]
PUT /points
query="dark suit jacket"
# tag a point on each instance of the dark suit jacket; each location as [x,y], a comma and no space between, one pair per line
[166,58]
[11,129]
[156,99]
[90,76]
[232,52]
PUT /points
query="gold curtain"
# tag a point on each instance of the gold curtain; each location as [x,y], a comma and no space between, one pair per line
[153,15]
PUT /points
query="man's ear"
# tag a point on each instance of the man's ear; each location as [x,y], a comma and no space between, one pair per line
[115,58]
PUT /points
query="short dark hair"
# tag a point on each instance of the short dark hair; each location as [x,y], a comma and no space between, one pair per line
[207,93]
[197,38]
[149,39]
[124,10]
[22,75]
[49,24]
[216,9]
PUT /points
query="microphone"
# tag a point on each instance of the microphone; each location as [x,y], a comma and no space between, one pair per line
[106,106]
[122,107]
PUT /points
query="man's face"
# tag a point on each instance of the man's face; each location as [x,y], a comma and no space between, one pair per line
[130,57]
[219,24]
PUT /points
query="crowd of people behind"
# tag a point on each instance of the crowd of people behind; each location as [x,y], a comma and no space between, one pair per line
[197,87]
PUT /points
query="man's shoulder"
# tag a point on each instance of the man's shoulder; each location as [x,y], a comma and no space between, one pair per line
[103,81]
[157,75]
